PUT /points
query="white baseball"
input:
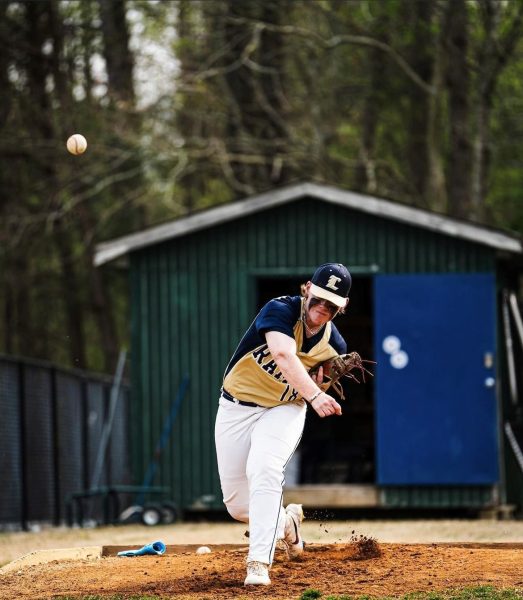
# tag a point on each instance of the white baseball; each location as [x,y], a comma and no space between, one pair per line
[203,550]
[77,144]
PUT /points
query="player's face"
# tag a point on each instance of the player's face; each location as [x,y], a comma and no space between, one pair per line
[319,310]
[331,308]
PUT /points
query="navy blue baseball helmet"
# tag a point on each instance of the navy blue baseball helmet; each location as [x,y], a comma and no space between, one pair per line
[332,282]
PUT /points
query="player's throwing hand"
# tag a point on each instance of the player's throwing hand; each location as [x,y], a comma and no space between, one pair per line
[325,405]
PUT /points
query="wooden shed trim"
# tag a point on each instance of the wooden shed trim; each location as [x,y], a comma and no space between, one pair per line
[111,250]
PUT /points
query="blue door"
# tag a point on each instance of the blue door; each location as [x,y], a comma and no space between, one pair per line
[436,414]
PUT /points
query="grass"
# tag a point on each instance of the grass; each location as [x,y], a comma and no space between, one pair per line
[472,593]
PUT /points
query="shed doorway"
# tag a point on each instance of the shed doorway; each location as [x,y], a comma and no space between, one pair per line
[337,450]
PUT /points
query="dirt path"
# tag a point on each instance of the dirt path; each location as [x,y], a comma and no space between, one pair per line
[332,569]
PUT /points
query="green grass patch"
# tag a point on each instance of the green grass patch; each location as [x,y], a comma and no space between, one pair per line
[311,594]
[473,593]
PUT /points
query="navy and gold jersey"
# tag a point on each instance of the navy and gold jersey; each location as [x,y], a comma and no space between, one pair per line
[253,375]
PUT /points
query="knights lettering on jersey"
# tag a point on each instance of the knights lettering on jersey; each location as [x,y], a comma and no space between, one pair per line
[270,367]
[260,353]
[264,358]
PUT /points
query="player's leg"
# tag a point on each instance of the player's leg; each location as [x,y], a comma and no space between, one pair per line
[232,432]
[273,441]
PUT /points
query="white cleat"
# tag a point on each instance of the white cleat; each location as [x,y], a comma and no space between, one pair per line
[257,573]
[293,539]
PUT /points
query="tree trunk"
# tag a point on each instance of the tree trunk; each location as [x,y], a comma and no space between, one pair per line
[188,120]
[6,299]
[366,176]
[481,159]
[18,324]
[119,59]
[5,86]
[499,43]
[457,79]
[435,191]
[86,9]
[421,59]
[70,290]
[255,122]
[99,300]
[104,315]
[124,120]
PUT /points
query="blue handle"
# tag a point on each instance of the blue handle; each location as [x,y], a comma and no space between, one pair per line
[155,548]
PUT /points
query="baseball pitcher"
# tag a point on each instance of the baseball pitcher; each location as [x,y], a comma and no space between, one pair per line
[276,370]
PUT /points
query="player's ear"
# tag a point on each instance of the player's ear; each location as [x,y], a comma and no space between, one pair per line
[344,308]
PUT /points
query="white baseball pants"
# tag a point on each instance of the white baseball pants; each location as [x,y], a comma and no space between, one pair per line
[253,446]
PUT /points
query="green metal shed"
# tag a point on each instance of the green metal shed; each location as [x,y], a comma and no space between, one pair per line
[198,281]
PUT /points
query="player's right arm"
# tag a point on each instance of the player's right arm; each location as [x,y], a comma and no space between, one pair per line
[283,350]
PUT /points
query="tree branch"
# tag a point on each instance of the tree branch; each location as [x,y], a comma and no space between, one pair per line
[338,40]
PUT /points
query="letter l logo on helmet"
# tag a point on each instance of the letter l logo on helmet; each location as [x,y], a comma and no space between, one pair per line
[333,280]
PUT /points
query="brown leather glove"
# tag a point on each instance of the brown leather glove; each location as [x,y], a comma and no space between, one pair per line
[341,366]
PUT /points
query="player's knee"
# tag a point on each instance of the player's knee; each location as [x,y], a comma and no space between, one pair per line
[238,512]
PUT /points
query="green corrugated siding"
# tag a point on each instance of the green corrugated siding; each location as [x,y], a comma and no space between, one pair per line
[193,297]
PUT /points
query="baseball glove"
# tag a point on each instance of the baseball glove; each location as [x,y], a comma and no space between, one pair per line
[340,366]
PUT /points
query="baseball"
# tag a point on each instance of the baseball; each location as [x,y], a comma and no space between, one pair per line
[203,550]
[77,144]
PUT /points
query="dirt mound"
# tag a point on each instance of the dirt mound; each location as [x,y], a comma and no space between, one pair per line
[359,567]
[364,547]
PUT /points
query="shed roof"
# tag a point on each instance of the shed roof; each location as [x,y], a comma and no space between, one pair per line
[497,239]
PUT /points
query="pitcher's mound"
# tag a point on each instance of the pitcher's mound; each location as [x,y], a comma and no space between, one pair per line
[361,567]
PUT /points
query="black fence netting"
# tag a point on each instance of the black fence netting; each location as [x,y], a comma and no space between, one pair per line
[51,430]
[10,444]
[39,466]
[70,437]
